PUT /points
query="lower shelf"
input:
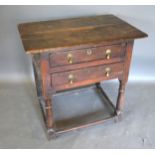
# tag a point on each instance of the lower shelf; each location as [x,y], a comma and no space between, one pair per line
[81,108]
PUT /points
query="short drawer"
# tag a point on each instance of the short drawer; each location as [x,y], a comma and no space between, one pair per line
[85,76]
[85,55]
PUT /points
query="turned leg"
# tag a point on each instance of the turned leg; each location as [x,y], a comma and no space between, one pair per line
[120,98]
[49,113]
[49,119]
[42,79]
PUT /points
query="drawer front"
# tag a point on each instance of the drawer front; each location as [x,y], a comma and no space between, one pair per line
[85,55]
[86,76]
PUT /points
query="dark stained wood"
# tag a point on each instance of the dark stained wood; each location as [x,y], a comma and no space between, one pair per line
[45,81]
[128,56]
[84,65]
[85,55]
[121,97]
[44,65]
[123,80]
[65,24]
[85,122]
[48,35]
[87,41]
[49,113]
[86,76]
[37,73]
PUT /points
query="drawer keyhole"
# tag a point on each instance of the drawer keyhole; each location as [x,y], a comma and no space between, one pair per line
[89,52]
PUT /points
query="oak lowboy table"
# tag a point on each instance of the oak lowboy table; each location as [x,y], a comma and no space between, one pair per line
[71,53]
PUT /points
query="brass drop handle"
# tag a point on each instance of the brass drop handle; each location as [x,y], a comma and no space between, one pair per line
[107,71]
[108,53]
[70,58]
[71,78]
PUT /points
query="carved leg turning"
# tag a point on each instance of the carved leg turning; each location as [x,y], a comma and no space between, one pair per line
[49,117]
[49,114]
[121,98]
[46,94]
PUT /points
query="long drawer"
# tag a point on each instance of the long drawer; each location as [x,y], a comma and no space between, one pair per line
[85,76]
[86,55]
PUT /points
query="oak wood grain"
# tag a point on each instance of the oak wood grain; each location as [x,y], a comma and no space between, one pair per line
[86,55]
[85,76]
[48,35]
[87,40]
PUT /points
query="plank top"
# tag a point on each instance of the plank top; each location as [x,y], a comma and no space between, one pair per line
[49,35]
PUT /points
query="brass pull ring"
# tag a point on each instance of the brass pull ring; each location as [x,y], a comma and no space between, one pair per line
[108,53]
[107,71]
[70,58]
[71,78]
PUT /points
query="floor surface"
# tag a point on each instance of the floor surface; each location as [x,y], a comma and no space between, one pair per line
[22,126]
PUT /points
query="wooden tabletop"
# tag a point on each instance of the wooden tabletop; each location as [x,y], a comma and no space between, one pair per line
[48,35]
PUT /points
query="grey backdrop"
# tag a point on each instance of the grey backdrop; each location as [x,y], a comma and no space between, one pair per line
[16,65]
